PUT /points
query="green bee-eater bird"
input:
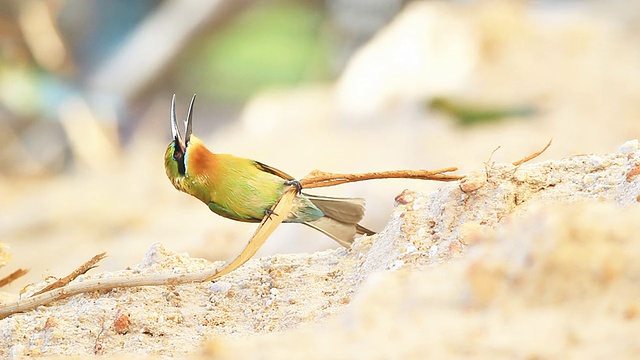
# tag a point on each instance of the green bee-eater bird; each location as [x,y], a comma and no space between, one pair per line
[245,190]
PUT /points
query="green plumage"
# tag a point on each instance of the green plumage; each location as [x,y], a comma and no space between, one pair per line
[244,190]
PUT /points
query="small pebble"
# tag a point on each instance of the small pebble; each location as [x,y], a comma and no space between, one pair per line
[433,250]
[590,178]
[629,147]
[220,286]
[17,351]
[597,161]
[396,265]
[473,182]
[406,197]
[122,322]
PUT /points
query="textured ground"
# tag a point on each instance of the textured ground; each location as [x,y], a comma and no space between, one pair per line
[533,261]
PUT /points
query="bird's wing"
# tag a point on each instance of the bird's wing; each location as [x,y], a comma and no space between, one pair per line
[228,213]
[272,170]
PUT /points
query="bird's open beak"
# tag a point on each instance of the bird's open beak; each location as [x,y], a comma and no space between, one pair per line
[175,132]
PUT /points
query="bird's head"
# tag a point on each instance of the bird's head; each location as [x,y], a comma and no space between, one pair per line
[188,163]
[177,155]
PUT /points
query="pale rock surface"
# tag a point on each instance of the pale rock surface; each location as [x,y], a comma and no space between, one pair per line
[538,262]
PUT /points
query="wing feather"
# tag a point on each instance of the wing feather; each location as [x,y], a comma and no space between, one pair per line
[272,170]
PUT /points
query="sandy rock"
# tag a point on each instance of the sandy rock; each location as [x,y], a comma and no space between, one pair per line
[521,288]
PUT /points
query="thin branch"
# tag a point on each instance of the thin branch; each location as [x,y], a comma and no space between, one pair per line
[322,179]
[488,165]
[532,156]
[13,276]
[102,284]
[92,263]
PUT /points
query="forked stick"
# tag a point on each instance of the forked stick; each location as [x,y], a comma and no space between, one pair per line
[13,277]
[319,178]
[90,285]
[92,263]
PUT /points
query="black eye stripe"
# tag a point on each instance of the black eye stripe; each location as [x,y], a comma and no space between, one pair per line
[178,156]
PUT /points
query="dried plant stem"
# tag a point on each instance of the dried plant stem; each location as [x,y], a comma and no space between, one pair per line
[13,276]
[102,284]
[322,179]
[532,156]
[77,272]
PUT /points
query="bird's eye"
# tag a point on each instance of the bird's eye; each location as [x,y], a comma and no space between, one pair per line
[178,156]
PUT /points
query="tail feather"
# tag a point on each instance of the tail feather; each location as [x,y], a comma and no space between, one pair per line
[341,217]
[346,210]
[342,233]
[364,231]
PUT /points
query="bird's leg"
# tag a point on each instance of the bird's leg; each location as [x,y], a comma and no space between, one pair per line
[295,183]
[270,212]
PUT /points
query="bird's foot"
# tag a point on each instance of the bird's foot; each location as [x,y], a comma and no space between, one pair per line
[270,212]
[295,183]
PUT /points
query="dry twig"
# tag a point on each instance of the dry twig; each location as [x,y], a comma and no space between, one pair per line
[74,274]
[90,285]
[532,156]
[13,276]
[488,165]
[318,178]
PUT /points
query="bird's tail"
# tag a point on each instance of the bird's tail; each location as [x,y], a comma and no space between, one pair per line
[341,217]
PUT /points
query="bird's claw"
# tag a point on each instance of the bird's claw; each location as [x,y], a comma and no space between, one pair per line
[270,212]
[295,183]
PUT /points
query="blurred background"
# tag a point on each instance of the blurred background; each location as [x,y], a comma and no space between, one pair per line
[336,85]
